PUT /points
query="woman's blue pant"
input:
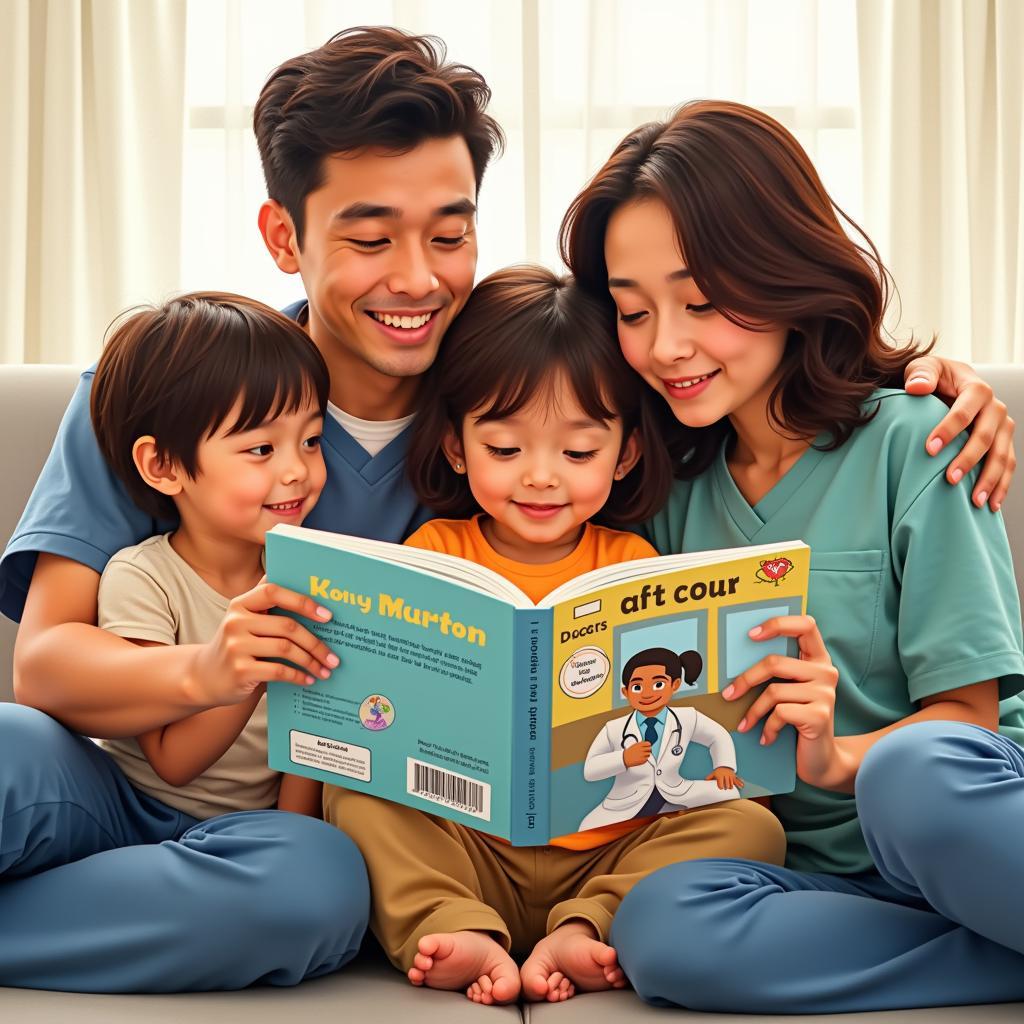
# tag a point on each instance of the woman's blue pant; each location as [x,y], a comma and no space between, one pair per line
[941,922]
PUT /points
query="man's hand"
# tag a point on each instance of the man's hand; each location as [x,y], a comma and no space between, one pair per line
[236,661]
[636,754]
[974,407]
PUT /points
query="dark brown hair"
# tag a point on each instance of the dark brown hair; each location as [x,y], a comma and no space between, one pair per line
[176,372]
[686,666]
[764,243]
[521,327]
[365,87]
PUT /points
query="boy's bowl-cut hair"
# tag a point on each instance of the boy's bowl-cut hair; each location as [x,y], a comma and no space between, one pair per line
[366,87]
[176,372]
[520,329]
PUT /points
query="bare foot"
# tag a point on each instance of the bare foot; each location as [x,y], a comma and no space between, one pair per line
[469,960]
[570,958]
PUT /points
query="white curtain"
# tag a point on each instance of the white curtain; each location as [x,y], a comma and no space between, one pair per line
[91,123]
[942,113]
[130,169]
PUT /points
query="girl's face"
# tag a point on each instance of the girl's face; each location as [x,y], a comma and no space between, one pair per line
[702,364]
[541,474]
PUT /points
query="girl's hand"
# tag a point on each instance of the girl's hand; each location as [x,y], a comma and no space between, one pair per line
[236,661]
[807,702]
[726,778]
[974,407]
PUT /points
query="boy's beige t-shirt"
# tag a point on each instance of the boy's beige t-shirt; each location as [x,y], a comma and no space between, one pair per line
[148,592]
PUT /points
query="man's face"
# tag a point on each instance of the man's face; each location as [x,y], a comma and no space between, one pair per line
[388,256]
[649,689]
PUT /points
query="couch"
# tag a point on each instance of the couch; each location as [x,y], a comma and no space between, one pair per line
[32,399]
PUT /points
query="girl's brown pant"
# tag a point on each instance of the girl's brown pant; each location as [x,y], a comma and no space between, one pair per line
[428,874]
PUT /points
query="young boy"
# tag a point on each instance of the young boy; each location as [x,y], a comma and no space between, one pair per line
[211,407]
[208,409]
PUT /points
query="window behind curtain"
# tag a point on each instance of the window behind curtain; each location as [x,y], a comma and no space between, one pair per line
[569,79]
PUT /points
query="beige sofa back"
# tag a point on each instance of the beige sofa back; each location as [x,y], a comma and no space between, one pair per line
[33,398]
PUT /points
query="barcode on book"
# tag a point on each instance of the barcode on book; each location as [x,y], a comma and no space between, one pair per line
[449,789]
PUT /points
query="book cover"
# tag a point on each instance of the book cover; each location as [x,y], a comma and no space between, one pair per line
[609,676]
[458,696]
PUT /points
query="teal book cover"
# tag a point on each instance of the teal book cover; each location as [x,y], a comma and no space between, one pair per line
[421,708]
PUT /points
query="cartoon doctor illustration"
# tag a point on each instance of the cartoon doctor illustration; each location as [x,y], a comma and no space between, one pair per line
[644,749]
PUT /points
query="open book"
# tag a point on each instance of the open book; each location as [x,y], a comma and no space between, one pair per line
[457,695]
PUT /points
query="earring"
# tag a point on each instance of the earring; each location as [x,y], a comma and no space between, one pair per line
[458,467]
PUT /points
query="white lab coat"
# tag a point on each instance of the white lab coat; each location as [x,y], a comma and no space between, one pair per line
[634,785]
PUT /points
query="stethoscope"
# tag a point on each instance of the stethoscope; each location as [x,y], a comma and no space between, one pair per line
[628,740]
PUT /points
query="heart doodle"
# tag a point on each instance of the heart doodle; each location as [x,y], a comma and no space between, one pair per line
[777,568]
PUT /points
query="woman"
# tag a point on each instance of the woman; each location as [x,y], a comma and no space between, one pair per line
[744,304]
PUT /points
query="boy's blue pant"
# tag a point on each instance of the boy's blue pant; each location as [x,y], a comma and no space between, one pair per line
[104,889]
[941,922]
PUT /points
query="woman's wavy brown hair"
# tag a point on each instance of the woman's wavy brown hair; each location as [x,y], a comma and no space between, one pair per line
[765,244]
[520,329]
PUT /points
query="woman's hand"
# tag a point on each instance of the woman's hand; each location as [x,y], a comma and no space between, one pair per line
[803,695]
[974,407]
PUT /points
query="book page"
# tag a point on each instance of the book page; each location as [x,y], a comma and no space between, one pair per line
[640,568]
[450,567]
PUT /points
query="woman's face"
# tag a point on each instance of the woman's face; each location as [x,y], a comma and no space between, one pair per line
[702,364]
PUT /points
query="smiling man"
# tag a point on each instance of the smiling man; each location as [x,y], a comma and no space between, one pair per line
[384,278]
[373,152]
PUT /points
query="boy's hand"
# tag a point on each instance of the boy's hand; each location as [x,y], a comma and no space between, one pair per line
[235,662]
[975,407]
[636,754]
[726,778]
[807,701]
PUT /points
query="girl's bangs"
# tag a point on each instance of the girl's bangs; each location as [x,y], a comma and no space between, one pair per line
[538,375]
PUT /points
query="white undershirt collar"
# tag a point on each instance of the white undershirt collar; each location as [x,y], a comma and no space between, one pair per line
[373,435]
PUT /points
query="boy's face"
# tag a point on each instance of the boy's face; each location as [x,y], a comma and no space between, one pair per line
[249,482]
[649,689]
[388,257]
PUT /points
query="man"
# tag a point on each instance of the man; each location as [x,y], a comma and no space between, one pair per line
[373,149]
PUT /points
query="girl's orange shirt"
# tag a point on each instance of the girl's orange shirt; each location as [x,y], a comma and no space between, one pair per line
[598,547]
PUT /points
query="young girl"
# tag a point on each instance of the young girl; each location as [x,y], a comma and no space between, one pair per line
[746,307]
[531,426]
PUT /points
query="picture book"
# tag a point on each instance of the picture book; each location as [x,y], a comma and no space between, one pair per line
[458,696]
